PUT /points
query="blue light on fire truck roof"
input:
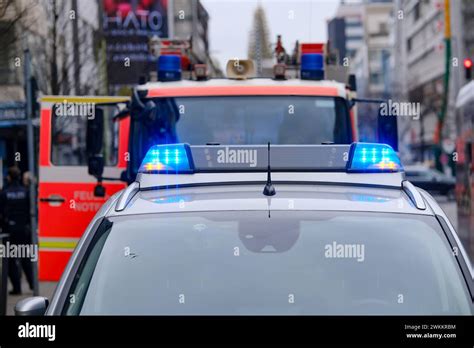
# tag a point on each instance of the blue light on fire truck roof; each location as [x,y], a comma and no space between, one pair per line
[169,68]
[365,157]
[167,158]
[312,66]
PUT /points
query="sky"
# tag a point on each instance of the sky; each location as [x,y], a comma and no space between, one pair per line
[231,20]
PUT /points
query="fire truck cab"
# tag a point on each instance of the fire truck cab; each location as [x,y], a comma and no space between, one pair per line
[223,111]
[66,201]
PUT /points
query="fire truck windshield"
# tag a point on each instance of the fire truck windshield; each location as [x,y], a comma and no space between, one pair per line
[251,120]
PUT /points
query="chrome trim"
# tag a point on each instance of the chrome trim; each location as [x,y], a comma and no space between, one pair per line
[414,194]
[437,210]
[372,179]
[127,196]
[66,278]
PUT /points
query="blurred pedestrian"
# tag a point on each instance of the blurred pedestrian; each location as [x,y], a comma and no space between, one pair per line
[27,178]
[15,217]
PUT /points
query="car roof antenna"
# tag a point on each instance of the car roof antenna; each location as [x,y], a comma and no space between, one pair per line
[269,190]
[269,203]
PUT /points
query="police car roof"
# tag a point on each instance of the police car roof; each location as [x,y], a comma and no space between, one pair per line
[246,197]
[296,86]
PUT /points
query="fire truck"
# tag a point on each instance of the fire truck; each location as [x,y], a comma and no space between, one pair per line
[92,147]
[65,189]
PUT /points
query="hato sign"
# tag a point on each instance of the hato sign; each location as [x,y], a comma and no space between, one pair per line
[127,27]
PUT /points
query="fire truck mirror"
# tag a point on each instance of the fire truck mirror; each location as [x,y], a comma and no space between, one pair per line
[99,190]
[95,133]
[96,166]
[387,130]
[352,82]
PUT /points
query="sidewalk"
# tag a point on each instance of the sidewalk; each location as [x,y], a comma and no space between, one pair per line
[46,289]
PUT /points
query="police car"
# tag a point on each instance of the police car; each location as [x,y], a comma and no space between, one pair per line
[266,230]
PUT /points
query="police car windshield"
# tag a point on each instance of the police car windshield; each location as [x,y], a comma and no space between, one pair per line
[253,120]
[298,262]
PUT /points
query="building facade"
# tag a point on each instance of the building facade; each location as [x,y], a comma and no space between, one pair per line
[63,38]
[190,21]
[360,33]
[346,30]
[372,58]
[129,25]
[17,31]
[422,47]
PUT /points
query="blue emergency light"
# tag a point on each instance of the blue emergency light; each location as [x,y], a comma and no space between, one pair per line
[184,159]
[312,66]
[168,158]
[367,157]
[169,68]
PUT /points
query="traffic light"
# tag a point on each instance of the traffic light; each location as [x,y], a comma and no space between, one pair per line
[468,68]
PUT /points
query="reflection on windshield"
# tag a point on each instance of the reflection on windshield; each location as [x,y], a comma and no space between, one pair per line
[249,263]
[264,240]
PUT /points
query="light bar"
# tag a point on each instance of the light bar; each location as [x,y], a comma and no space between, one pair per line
[174,158]
[367,157]
[344,158]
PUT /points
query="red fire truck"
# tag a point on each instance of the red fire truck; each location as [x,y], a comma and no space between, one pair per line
[91,147]
[66,191]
